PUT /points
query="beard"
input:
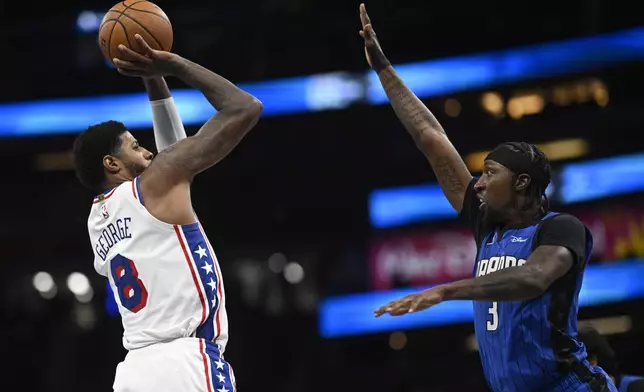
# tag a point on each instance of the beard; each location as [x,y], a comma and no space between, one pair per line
[492,217]
[134,168]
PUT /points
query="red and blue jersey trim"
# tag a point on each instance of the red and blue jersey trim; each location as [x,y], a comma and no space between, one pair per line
[104,196]
[219,374]
[206,277]
[136,189]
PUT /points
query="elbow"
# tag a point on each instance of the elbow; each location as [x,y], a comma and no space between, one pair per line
[255,108]
[247,111]
[252,111]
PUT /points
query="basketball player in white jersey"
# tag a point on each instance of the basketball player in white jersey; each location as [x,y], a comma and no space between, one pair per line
[146,238]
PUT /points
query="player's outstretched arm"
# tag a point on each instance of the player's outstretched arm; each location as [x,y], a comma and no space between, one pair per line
[431,139]
[544,266]
[166,122]
[165,184]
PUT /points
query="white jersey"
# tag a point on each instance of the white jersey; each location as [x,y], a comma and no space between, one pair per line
[166,278]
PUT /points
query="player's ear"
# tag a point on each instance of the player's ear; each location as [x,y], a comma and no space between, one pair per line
[522,182]
[111,164]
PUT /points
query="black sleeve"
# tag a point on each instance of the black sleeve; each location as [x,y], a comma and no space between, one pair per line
[470,212]
[564,230]
[636,386]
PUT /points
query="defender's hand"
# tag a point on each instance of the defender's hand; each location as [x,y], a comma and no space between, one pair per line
[412,303]
[372,50]
[148,63]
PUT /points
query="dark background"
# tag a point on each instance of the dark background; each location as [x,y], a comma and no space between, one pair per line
[297,184]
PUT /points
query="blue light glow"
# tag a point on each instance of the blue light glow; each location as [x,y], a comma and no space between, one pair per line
[353,314]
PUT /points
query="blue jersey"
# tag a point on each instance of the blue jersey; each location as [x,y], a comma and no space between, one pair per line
[530,345]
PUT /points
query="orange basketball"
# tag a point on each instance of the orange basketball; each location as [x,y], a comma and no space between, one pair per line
[130,17]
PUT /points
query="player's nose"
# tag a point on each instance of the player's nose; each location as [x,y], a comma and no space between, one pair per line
[479,186]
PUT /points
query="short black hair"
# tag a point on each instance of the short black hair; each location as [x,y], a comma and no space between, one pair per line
[536,189]
[91,146]
[597,347]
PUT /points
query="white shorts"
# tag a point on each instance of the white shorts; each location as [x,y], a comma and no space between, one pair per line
[186,364]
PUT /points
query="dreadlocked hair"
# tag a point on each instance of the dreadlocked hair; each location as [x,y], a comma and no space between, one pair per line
[536,190]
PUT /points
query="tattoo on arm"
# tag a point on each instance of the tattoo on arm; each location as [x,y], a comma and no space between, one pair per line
[544,266]
[451,172]
[511,284]
[411,111]
[447,176]
[216,139]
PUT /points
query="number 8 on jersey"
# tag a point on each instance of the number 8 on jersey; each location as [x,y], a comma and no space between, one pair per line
[131,292]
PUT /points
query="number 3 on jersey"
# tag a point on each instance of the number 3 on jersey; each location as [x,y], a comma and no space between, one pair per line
[131,291]
[493,324]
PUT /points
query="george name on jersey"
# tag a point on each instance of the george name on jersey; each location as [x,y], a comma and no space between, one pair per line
[112,235]
[496,263]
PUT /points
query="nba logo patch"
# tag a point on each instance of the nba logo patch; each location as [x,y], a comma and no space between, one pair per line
[104,212]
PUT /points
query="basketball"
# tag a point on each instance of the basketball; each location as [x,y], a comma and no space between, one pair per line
[128,18]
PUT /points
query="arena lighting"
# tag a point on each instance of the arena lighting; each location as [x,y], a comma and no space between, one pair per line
[338,90]
[79,285]
[45,285]
[521,104]
[89,21]
[276,262]
[493,103]
[293,272]
[348,315]
[525,104]
[578,181]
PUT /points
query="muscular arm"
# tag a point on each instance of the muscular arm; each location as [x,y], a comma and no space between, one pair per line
[237,113]
[165,183]
[451,172]
[166,122]
[561,243]
[545,265]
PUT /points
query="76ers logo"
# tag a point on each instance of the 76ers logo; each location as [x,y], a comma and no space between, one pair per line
[104,212]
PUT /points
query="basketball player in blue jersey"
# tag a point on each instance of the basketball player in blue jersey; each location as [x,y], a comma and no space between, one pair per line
[146,238]
[600,353]
[530,261]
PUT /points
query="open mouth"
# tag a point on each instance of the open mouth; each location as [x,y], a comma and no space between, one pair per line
[483,203]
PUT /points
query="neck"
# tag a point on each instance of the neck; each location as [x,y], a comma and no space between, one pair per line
[113,182]
[522,217]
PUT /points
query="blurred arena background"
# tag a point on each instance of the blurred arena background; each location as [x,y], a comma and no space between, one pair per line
[326,209]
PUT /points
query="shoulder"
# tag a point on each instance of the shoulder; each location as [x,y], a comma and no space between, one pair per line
[562,219]
[562,223]
[564,230]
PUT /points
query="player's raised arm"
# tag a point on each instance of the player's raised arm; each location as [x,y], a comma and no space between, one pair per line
[166,122]
[171,172]
[450,170]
